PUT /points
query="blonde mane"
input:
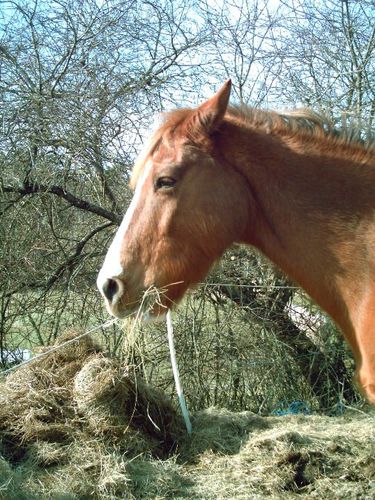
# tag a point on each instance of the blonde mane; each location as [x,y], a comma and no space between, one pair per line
[300,124]
[308,129]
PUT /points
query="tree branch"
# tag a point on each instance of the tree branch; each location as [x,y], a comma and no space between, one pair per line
[72,260]
[68,264]
[35,188]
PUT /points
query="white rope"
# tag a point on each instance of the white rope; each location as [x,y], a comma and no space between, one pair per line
[58,347]
[176,374]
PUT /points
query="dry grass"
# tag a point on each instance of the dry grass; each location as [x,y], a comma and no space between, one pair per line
[286,457]
[79,424]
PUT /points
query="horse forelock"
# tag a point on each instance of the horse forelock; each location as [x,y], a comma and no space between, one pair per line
[169,130]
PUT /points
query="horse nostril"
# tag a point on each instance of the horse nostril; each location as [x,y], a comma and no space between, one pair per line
[110,287]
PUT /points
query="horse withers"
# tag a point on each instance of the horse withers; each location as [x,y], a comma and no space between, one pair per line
[284,183]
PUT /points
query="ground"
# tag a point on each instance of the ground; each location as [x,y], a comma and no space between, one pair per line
[78,424]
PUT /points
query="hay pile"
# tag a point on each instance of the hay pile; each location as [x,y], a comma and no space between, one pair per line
[77,424]
[74,408]
[283,457]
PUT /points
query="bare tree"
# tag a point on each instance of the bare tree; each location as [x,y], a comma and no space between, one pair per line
[327,56]
[79,84]
[240,33]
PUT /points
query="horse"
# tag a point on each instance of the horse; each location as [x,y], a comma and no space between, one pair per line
[287,184]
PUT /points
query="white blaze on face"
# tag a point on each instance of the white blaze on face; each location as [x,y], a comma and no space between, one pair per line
[112,264]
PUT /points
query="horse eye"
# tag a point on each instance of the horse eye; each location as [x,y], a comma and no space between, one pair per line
[165,183]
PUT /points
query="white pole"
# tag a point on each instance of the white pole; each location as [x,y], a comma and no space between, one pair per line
[176,374]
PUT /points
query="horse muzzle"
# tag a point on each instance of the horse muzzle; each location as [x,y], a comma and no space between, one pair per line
[147,305]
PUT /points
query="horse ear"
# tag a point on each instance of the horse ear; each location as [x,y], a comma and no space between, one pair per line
[209,115]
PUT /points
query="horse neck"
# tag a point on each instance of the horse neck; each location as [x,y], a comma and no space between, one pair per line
[273,177]
[299,200]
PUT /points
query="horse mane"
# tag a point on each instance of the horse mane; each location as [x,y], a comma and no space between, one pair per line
[298,126]
[310,128]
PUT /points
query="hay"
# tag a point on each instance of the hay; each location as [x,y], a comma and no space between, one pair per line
[65,407]
[288,457]
[114,401]
[79,424]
